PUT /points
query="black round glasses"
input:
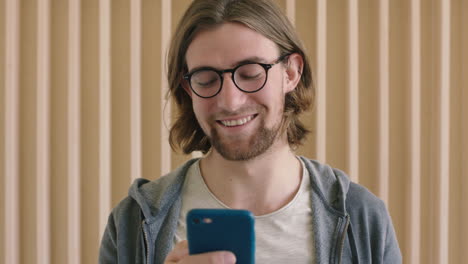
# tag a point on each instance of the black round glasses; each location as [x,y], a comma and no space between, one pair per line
[249,77]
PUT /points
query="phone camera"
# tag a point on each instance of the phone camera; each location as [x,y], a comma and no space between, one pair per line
[196,220]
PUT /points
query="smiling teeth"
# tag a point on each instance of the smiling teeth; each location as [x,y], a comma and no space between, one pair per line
[238,122]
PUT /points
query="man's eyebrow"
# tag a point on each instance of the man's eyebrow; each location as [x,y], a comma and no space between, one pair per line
[253,59]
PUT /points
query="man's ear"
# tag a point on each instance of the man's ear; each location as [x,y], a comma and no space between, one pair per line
[293,72]
[186,86]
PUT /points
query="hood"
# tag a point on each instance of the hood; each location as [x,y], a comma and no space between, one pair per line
[156,197]
[331,185]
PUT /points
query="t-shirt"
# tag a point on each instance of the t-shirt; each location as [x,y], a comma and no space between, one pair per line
[283,236]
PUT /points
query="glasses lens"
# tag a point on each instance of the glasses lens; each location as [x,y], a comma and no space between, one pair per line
[205,83]
[250,77]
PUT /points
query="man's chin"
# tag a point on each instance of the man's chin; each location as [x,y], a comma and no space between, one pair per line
[244,148]
[236,153]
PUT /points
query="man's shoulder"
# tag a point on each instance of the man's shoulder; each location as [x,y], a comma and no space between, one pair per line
[361,198]
[335,184]
[147,195]
[361,204]
[165,181]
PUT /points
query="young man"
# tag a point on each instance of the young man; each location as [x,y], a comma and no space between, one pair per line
[240,78]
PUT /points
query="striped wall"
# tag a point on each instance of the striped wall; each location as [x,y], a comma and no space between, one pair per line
[83,113]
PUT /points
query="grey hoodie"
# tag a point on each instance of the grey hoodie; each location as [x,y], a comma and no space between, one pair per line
[350,224]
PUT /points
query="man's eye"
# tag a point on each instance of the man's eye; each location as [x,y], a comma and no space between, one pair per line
[206,83]
[251,76]
[250,72]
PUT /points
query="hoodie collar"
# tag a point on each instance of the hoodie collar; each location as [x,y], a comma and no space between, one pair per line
[156,197]
[329,184]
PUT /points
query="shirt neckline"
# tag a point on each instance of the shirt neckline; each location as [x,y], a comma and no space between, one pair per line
[302,187]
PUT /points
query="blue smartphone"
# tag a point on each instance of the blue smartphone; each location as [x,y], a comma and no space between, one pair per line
[222,229]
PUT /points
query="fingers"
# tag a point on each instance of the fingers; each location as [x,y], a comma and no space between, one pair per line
[179,252]
[180,255]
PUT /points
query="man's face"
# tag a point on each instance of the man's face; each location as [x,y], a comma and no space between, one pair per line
[240,125]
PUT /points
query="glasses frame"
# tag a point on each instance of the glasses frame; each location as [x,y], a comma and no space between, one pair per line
[221,73]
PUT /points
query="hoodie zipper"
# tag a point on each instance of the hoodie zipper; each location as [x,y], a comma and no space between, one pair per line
[146,242]
[343,236]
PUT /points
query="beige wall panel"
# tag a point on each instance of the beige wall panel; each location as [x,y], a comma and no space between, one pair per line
[434,157]
[28,130]
[384,101]
[2,127]
[353,120]
[413,215]
[135,90]
[306,14]
[321,105]
[291,10]
[336,84]
[178,9]
[399,114]
[428,111]
[151,85]
[446,91]
[104,117]
[456,223]
[442,130]
[43,133]
[90,125]
[369,94]
[105,113]
[120,79]
[166,26]
[11,228]
[74,132]
[463,253]
[281,3]
[353,153]
[59,143]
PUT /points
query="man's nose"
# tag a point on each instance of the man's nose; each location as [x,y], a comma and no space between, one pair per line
[230,97]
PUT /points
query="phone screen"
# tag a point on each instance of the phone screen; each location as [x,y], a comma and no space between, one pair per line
[222,229]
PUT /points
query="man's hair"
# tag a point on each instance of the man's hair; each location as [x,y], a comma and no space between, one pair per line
[262,16]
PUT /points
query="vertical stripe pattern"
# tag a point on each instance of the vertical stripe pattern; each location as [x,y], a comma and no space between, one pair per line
[43,133]
[165,105]
[384,95]
[11,140]
[415,131]
[104,113]
[135,88]
[353,90]
[444,135]
[321,53]
[74,128]
[431,131]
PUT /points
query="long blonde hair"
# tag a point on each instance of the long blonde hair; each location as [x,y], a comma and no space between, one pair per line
[262,16]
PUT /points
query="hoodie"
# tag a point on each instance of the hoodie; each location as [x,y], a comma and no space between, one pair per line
[350,224]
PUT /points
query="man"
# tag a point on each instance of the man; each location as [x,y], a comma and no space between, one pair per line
[240,79]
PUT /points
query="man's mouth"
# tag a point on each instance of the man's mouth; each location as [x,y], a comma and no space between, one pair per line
[237,122]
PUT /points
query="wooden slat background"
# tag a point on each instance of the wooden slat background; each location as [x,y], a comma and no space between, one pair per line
[83,113]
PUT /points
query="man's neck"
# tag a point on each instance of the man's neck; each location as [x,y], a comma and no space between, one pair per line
[261,185]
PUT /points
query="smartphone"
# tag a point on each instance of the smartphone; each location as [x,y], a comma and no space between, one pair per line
[222,229]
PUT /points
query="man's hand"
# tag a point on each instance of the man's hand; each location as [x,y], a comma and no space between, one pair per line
[180,255]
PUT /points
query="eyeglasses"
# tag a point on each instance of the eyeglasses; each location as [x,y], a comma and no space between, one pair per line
[248,77]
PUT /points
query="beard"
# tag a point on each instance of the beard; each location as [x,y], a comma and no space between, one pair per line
[245,148]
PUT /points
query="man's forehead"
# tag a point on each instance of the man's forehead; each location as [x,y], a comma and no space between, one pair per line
[228,45]
[207,63]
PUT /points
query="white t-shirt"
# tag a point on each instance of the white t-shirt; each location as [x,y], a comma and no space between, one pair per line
[283,236]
